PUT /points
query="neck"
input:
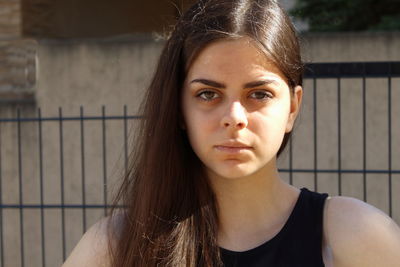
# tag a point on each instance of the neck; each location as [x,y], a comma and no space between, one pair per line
[252,209]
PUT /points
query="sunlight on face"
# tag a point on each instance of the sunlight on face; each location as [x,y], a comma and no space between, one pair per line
[236,107]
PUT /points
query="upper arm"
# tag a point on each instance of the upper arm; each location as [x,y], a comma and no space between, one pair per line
[92,249]
[360,235]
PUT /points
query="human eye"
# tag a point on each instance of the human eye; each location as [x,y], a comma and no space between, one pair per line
[207,95]
[261,95]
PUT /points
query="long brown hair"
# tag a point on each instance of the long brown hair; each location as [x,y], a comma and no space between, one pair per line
[170,216]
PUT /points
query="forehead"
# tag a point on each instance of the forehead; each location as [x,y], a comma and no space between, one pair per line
[239,58]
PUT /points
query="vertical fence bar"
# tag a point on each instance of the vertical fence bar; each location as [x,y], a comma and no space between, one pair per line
[1,203]
[41,187]
[62,182]
[21,202]
[390,139]
[126,138]
[83,175]
[364,104]
[103,119]
[339,136]
[315,133]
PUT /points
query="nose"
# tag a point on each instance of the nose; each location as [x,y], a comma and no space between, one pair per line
[235,117]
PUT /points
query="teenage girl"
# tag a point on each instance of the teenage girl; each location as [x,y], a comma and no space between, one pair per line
[203,187]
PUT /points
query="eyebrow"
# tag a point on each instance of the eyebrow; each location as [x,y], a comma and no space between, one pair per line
[223,86]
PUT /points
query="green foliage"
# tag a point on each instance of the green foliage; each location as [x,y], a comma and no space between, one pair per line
[349,15]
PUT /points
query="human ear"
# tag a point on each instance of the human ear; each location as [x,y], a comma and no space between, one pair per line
[295,104]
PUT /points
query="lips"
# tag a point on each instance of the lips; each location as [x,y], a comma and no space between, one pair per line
[232,147]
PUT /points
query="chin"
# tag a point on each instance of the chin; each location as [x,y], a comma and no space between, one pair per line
[233,170]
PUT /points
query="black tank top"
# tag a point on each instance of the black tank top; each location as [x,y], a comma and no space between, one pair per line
[299,242]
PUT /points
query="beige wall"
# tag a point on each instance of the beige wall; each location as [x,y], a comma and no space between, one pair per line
[115,72]
[91,74]
[344,47]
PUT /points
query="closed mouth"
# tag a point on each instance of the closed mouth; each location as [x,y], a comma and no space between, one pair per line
[232,149]
[233,144]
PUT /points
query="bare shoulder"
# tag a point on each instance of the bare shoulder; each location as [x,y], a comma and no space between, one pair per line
[92,249]
[359,234]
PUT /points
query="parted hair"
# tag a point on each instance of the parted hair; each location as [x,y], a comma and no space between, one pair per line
[170,216]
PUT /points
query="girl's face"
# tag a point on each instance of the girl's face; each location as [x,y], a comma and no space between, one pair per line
[237,107]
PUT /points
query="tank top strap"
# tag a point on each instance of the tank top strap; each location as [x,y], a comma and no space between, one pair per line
[305,233]
[309,210]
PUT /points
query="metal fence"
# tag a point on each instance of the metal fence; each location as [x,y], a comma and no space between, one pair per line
[338,71]
[56,172]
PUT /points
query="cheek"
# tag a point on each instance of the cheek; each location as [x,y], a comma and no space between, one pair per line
[270,125]
[198,125]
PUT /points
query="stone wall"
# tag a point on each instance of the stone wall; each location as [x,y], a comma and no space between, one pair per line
[10,19]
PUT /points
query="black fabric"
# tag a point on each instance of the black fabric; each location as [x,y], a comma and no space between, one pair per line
[299,243]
